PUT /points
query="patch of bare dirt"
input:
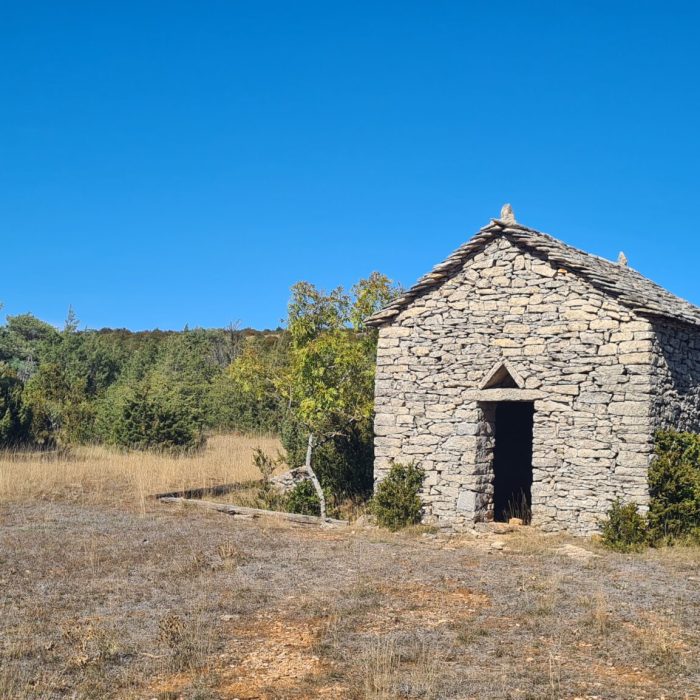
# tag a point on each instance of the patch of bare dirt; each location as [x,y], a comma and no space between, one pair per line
[269,655]
[273,652]
[414,604]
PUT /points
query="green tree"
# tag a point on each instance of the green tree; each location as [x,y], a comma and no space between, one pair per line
[61,412]
[371,295]
[24,340]
[142,419]
[15,419]
[331,381]
[254,393]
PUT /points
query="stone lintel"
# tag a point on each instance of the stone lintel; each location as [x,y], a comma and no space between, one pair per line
[492,395]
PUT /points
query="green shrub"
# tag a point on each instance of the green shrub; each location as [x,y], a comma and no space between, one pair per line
[396,502]
[141,419]
[625,529]
[303,499]
[674,486]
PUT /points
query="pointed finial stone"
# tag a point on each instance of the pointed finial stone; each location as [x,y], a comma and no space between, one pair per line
[622,259]
[507,215]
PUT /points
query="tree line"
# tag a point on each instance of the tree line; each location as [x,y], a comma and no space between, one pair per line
[167,390]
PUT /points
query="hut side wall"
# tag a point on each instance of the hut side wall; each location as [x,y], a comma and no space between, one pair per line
[676,376]
[588,355]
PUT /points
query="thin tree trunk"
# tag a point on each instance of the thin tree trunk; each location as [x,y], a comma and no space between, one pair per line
[314,479]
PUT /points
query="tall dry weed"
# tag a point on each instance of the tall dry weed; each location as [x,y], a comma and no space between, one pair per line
[420,667]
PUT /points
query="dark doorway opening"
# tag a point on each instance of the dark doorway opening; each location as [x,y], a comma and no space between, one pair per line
[512,461]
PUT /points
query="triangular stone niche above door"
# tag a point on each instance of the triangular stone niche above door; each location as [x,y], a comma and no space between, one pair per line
[503,376]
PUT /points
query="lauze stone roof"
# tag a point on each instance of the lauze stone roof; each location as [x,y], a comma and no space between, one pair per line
[623,283]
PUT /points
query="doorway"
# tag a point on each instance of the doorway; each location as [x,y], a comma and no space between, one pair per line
[512,461]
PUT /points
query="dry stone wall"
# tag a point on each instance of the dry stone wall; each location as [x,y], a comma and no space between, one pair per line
[584,358]
[287,481]
[676,376]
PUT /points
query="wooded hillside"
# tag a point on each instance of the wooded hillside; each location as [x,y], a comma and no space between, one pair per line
[167,390]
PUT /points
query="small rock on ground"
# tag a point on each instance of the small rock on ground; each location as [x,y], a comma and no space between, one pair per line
[576,552]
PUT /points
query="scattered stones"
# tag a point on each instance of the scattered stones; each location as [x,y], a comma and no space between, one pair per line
[286,481]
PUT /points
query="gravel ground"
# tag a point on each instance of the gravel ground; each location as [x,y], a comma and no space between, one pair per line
[182,603]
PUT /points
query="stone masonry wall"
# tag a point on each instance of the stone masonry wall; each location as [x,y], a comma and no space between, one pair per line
[676,376]
[586,358]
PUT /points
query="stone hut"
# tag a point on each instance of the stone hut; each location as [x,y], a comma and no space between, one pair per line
[528,378]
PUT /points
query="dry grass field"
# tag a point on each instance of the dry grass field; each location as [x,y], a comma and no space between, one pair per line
[100,475]
[105,593]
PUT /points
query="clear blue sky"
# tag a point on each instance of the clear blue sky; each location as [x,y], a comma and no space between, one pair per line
[172,163]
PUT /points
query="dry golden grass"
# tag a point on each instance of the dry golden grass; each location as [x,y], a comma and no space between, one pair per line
[102,475]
